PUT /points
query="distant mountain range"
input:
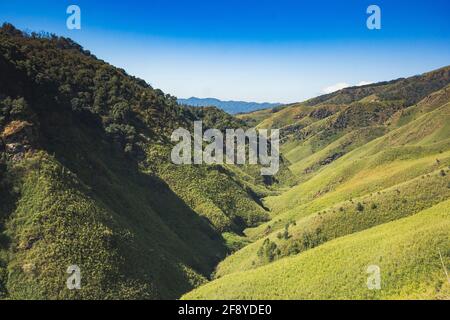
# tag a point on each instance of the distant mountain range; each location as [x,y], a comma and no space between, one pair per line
[232,107]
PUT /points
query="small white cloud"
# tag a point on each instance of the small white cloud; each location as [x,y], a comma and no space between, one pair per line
[335,87]
[341,85]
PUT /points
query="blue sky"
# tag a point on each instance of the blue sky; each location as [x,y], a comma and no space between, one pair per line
[254,50]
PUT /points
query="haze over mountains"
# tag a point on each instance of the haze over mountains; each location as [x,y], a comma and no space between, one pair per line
[86,179]
[232,107]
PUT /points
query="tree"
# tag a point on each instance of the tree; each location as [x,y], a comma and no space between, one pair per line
[268,251]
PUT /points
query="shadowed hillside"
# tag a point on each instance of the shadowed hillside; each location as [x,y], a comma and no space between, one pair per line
[86,180]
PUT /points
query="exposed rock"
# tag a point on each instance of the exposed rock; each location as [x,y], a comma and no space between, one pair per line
[18,138]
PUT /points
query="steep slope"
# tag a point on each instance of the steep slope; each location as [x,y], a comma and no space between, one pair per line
[400,173]
[407,252]
[58,221]
[84,149]
[337,123]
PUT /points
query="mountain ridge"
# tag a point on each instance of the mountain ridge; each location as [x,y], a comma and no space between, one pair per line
[230,106]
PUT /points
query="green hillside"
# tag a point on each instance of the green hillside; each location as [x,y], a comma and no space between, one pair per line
[86,179]
[406,251]
[359,165]
[402,172]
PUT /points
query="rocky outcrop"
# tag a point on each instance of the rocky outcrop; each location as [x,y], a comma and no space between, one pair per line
[18,138]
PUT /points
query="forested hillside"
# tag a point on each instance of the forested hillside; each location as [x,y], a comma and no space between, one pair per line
[86,179]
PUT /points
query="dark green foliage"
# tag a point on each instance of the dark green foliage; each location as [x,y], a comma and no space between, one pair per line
[213,117]
[312,239]
[360,207]
[269,251]
[293,248]
[358,114]
[97,187]
[90,204]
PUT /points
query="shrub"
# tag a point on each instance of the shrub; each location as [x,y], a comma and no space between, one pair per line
[268,251]
[293,248]
[312,239]
[359,207]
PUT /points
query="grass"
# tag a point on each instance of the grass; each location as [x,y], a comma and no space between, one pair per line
[407,252]
[378,181]
[131,236]
[344,218]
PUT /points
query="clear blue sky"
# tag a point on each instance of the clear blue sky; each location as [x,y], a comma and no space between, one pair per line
[255,50]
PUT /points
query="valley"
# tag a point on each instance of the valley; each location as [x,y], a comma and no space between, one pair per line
[86,179]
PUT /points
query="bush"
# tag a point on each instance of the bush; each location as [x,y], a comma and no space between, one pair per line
[268,251]
[293,248]
[359,207]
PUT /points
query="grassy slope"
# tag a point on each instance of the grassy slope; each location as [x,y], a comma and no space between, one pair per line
[222,198]
[398,173]
[255,117]
[344,218]
[406,251]
[402,154]
[131,237]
